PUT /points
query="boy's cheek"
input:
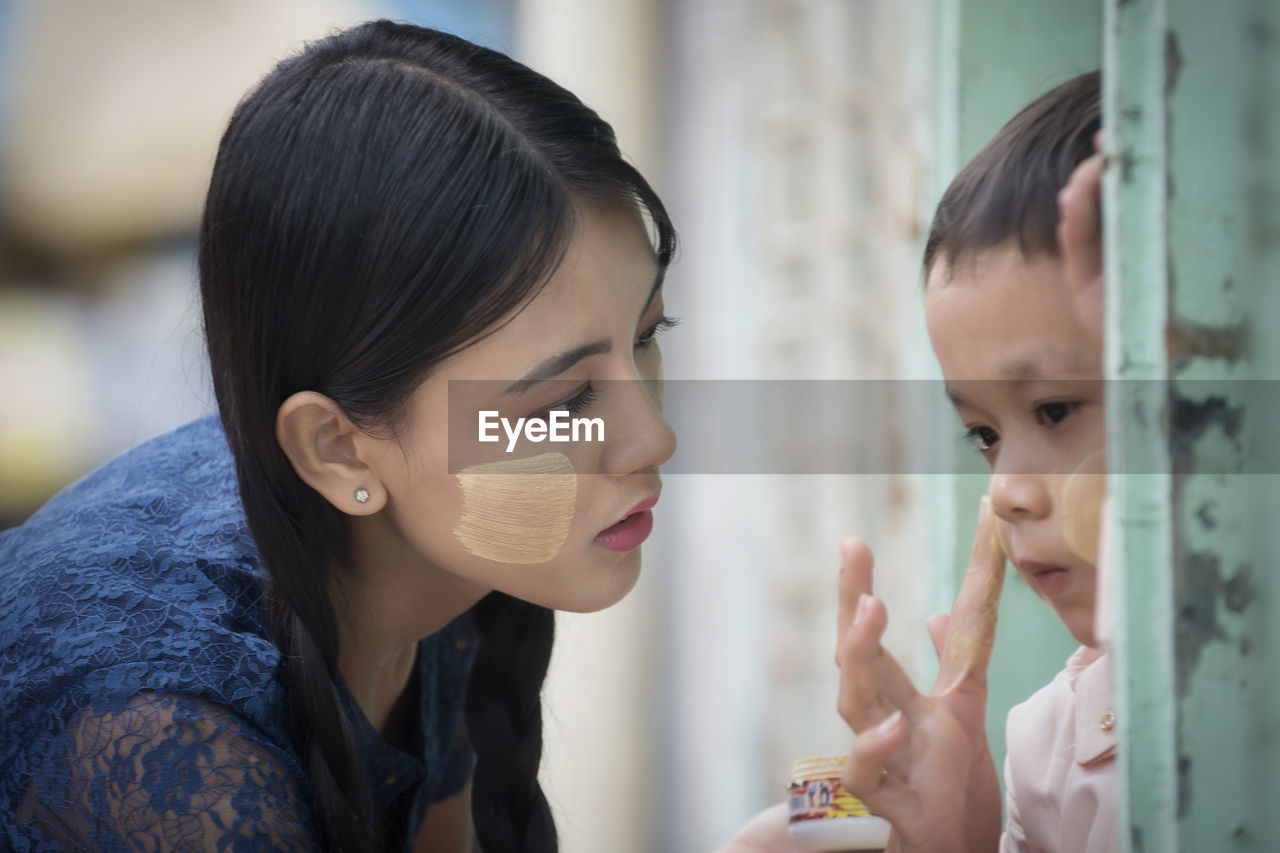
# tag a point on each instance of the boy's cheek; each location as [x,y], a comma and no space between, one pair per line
[1082,495]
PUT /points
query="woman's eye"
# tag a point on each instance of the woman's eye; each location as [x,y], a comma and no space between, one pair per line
[581,400]
[649,335]
[573,405]
[1052,414]
[984,438]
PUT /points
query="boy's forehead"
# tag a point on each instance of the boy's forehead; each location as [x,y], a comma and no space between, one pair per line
[1001,315]
[1006,259]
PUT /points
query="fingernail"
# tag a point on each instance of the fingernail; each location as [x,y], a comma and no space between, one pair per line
[859,609]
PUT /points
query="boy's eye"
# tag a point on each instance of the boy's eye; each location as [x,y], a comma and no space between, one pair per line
[1052,414]
[649,335]
[984,438]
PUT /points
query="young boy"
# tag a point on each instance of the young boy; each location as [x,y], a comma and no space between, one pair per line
[1013,305]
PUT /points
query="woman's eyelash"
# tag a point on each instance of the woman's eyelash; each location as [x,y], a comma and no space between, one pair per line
[664,323]
[583,399]
[573,405]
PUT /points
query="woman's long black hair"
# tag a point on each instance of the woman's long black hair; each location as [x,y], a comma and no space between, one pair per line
[379,201]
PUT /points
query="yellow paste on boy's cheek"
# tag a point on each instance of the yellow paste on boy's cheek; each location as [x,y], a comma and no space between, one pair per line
[999,527]
[519,510]
[1082,506]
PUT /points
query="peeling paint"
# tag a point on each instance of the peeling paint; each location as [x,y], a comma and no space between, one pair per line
[1240,591]
[1124,162]
[1197,586]
[1188,340]
[1191,419]
[1261,34]
[1173,62]
[1206,515]
[1184,786]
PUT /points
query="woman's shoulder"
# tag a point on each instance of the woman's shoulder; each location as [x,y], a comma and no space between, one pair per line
[140,576]
[163,519]
[175,486]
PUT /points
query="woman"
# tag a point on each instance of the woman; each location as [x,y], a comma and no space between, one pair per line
[256,631]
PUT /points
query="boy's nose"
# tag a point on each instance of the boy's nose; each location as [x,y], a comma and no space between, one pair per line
[1017,497]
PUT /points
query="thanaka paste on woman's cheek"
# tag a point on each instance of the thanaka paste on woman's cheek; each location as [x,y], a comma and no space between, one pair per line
[518,510]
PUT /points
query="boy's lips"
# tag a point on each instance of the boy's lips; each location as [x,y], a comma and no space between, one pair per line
[1050,579]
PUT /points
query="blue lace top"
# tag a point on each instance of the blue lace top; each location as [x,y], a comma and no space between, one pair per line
[139,702]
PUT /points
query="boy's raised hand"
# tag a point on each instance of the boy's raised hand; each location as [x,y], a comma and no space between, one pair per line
[921,760]
[1080,237]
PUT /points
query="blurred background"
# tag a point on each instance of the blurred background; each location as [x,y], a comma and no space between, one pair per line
[799,145]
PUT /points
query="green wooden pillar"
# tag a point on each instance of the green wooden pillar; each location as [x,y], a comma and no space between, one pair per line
[1191,94]
[995,56]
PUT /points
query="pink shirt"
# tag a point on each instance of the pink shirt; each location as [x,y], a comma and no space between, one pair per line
[1060,769]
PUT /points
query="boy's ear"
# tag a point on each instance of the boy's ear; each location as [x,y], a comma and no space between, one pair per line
[328,451]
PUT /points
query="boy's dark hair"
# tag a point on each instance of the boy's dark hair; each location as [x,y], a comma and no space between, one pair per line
[1010,189]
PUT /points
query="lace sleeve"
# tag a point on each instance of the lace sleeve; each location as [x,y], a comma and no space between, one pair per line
[164,772]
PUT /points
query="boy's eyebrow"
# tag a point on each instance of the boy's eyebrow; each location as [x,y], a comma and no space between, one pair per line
[1053,366]
[1056,366]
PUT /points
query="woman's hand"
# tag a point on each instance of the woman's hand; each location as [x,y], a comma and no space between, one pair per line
[921,760]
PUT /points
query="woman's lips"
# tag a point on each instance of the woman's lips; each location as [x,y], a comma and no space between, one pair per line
[1051,580]
[627,534]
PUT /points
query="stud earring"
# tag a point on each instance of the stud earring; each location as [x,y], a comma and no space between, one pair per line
[362,495]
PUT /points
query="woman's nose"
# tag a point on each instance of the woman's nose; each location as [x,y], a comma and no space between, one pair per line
[642,439]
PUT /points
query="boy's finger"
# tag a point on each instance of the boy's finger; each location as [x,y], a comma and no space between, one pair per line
[1080,233]
[937,626]
[865,769]
[854,582]
[872,682]
[971,628]
[1080,225]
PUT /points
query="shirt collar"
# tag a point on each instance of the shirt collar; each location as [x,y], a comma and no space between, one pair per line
[1089,672]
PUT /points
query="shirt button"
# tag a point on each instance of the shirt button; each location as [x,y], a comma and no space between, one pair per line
[1107,722]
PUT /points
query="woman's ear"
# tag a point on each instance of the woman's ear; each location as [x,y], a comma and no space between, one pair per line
[328,452]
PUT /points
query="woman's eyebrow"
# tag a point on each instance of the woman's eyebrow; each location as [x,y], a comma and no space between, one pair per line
[556,365]
[561,362]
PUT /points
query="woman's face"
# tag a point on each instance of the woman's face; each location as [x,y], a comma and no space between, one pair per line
[555,523]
